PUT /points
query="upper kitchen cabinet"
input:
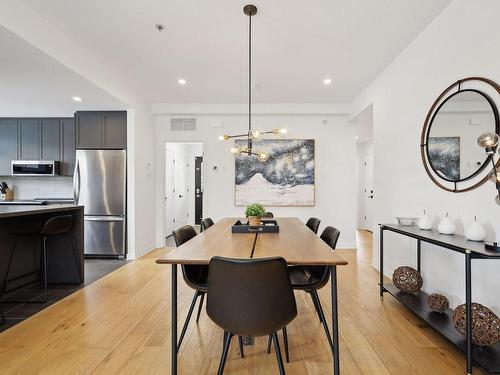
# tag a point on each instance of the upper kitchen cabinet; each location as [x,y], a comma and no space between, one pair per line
[9,137]
[29,137]
[68,146]
[50,139]
[101,129]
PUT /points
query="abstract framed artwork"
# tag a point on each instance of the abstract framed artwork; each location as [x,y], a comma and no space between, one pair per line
[444,155]
[287,178]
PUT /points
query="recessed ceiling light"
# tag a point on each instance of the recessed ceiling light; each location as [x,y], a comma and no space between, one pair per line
[327,81]
[160,27]
[181,81]
[77,99]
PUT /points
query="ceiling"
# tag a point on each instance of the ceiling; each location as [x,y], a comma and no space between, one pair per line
[297,44]
[33,84]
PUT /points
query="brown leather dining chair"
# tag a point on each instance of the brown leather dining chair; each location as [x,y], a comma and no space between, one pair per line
[310,279]
[206,223]
[313,224]
[195,277]
[250,297]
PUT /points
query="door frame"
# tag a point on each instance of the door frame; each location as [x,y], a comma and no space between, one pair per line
[164,168]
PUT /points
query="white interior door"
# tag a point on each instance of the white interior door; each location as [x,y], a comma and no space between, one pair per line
[169,192]
[181,191]
[366,192]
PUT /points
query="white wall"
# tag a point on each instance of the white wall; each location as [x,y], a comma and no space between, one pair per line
[462,41]
[335,166]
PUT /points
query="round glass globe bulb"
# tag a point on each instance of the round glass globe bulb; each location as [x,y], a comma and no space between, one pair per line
[262,156]
[488,140]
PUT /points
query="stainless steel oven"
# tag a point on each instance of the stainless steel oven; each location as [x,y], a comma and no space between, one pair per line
[34,168]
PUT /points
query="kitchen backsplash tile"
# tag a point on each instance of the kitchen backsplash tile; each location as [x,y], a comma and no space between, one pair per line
[40,187]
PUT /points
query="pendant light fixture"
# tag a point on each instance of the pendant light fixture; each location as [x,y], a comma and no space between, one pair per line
[252,135]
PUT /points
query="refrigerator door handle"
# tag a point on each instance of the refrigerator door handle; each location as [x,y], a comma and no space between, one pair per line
[104,218]
[76,182]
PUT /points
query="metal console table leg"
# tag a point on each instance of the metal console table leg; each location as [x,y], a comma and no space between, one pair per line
[381,262]
[468,309]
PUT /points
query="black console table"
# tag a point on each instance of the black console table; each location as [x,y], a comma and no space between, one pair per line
[486,357]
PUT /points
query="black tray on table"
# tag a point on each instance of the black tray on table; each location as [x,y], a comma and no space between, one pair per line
[266,226]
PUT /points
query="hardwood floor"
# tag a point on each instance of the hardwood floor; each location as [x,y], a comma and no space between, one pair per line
[120,325]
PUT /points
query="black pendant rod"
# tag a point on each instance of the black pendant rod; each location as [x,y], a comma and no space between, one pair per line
[249,73]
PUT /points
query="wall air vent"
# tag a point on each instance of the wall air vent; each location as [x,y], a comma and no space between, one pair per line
[182,124]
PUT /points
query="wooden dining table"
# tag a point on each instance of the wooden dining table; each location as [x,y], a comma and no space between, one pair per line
[296,243]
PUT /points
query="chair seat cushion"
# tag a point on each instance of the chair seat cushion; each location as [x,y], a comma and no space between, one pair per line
[302,278]
[196,277]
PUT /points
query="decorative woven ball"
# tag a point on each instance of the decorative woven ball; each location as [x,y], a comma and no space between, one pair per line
[438,302]
[485,324]
[407,280]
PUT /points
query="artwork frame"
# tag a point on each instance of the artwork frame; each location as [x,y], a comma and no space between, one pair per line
[444,157]
[287,179]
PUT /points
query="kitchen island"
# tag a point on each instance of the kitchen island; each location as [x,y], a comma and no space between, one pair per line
[61,265]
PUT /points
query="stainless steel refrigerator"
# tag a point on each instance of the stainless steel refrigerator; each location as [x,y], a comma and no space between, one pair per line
[100,185]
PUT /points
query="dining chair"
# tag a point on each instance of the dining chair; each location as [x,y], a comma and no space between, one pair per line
[313,224]
[310,279]
[206,223]
[195,277]
[250,297]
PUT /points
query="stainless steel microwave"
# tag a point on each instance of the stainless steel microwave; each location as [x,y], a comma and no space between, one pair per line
[36,168]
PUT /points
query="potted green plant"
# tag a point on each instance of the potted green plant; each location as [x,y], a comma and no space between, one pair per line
[254,212]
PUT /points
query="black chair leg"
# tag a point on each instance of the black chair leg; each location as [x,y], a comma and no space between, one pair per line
[240,342]
[227,342]
[285,342]
[315,303]
[188,318]
[200,306]
[44,257]
[75,256]
[278,353]
[323,320]
[269,341]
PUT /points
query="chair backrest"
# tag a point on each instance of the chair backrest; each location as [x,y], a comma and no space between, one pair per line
[206,223]
[183,234]
[268,214]
[57,225]
[313,224]
[250,297]
[330,235]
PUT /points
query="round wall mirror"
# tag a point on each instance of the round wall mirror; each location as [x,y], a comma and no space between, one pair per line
[451,155]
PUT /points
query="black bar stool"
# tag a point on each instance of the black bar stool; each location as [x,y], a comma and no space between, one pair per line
[55,226]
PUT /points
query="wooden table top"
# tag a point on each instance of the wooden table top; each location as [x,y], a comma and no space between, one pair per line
[296,243]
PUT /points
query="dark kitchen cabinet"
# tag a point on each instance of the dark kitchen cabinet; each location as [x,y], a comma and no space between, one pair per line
[114,129]
[29,133]
[68,146]
[101,129]
[8,144]
[50,139]
[88,129]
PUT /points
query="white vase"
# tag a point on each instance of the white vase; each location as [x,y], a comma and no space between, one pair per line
[425,222]
[446,225]
[475,231]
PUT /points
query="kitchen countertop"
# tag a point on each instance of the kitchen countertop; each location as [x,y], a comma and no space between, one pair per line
[15,211]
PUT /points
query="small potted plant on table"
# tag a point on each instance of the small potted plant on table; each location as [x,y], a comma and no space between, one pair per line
[254,212]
